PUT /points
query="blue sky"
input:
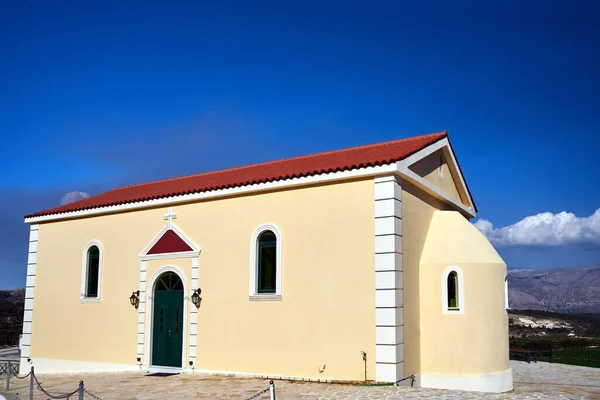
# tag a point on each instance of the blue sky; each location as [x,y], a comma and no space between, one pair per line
[99,94]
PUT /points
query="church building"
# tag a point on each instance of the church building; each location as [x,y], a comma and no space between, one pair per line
[350,265]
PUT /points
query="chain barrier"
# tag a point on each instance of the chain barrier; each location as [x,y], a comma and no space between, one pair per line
[81,390]
[411,377]
[270,389]
[257,395]
[21,377]
[51,396]
[92,395]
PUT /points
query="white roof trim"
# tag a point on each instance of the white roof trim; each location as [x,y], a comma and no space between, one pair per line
[144,256]
[444,145]
[257,187]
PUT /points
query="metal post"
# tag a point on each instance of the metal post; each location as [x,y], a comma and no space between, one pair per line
[272,390]
[81,389]
[8,372]
[31,378]
[364,357]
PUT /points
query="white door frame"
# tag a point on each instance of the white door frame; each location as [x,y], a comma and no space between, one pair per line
[144,332]
[150,320]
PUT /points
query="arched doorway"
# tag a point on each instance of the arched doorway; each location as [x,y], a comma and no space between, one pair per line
[168,321]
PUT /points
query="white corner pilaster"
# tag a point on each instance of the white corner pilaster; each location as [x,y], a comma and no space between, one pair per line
[29,290]
[389,316]
[193,313]
[142,314]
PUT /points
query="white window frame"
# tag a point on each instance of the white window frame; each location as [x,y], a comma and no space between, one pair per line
[83,297]
[460,292]
[253,284]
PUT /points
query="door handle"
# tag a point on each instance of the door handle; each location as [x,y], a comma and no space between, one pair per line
[169,333]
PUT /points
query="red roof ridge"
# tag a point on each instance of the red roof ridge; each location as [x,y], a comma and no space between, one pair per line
[239,167]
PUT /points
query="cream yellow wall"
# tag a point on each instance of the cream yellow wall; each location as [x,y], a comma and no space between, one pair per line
[417,211]
[429,169]
[327,315]
[476,342]
[63,327]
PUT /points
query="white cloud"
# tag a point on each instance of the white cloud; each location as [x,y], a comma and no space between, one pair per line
[545,229]
[73,196]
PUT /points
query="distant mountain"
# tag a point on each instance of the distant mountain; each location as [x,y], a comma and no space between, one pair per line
[566,290]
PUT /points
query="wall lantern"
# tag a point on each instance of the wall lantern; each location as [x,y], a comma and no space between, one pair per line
[196,299]
[134,299]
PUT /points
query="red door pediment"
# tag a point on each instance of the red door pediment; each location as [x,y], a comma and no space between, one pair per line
[169,242]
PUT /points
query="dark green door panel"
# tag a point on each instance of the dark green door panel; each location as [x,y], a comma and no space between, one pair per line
[167,327]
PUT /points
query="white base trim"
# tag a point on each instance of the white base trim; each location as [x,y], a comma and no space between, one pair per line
[167,370]
[493,383]
[264,376]
[53,366]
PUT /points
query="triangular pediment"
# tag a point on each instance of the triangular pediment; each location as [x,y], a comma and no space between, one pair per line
[436,170]
[170,242]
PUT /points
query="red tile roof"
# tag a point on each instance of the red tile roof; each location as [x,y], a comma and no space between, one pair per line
[332,161]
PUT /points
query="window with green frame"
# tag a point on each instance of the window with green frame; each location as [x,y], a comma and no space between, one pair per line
[267,262]
[452,290]
[93,265]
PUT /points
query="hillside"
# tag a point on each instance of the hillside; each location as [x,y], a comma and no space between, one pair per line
[565,290]
[549,325]
[11,315]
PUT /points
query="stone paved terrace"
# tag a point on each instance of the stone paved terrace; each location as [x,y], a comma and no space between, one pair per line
[532,381]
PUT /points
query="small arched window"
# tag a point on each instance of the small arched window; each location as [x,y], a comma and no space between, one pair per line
[452,291]
[265,263]
[93,269]
[506,307]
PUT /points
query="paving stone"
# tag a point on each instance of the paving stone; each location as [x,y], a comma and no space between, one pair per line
[532,381]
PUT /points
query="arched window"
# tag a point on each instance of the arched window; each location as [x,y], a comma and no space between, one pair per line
[453,291]
[91,271]
[506,307]
[93,267]
[265,263]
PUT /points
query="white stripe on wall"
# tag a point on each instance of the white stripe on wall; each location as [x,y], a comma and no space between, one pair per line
[389,315]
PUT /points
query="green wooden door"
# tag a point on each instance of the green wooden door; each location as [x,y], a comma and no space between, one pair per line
[167,325]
